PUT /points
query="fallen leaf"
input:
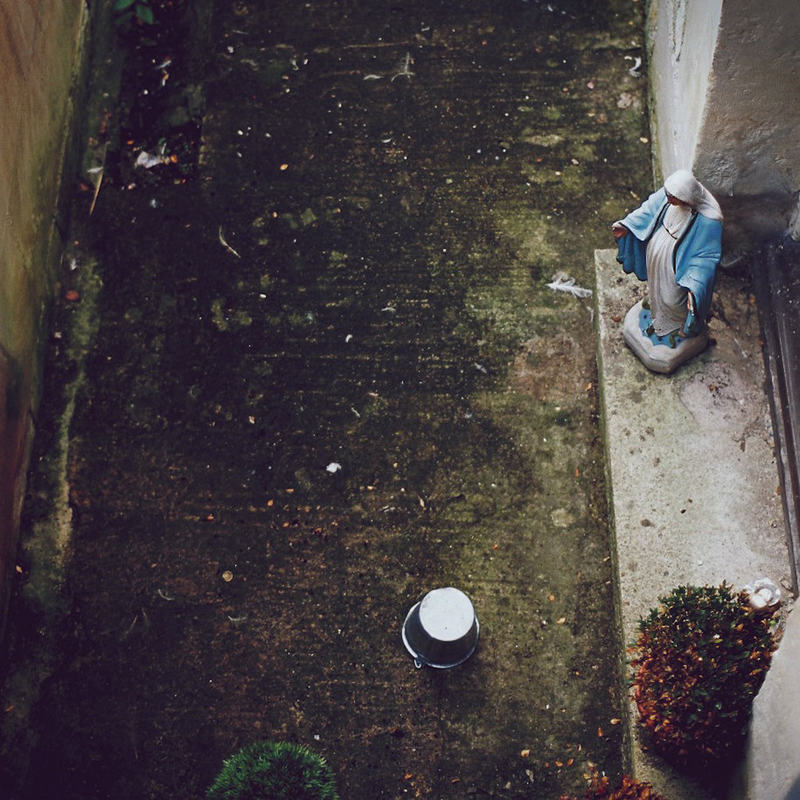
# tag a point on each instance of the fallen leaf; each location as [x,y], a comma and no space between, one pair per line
[525,753]
[600,732]
[72,295]
[615,721]
[561,621]
[284,167]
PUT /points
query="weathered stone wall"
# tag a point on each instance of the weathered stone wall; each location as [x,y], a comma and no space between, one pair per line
[724,91]
[40,48]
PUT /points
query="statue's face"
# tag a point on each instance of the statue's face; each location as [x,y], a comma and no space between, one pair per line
[673,201]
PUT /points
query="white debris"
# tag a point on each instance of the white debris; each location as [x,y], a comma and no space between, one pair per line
[403,70]
[333,467]
[563,283]
[148,160]
[224,243]
[763,595]
[634,70]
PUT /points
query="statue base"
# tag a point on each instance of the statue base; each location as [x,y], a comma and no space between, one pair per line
[659,353]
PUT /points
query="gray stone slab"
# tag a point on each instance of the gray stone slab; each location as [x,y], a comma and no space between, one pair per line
[772,766]
[694,482]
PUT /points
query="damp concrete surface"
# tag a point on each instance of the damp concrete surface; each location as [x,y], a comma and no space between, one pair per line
[306,365]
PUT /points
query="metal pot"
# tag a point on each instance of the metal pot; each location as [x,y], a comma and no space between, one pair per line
[441,630]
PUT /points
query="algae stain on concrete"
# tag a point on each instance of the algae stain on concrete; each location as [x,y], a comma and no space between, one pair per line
[49,541]
[48,536]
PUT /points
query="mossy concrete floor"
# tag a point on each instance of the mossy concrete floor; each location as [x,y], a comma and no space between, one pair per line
[313,370]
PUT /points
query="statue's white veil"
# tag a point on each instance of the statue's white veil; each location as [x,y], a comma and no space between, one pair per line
[683,185]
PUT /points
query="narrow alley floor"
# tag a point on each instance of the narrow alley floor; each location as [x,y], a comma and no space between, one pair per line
[308,365]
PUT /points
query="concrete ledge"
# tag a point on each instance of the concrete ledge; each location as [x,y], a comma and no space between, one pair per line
[693,476]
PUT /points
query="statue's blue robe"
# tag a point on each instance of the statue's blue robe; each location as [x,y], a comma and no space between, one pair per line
[695,257]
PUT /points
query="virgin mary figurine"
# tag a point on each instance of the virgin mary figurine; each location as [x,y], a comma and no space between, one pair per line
[673,241]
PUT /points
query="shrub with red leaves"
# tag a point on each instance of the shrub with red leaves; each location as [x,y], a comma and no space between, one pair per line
[700,659]
[629,789]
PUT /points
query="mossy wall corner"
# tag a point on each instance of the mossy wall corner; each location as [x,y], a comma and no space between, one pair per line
[41,60]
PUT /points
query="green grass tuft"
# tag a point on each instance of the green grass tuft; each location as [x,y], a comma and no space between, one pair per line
[274,771]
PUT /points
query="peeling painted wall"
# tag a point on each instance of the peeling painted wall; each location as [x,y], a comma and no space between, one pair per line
[725,89]
[40,47]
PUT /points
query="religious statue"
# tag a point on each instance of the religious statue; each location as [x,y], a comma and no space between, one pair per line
[674,242]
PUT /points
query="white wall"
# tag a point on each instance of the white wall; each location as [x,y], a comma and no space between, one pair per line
[683,36]
[725,94]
